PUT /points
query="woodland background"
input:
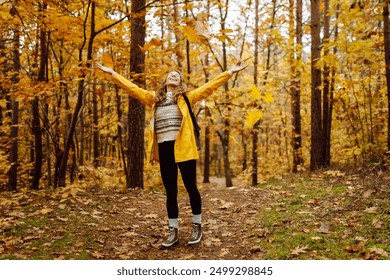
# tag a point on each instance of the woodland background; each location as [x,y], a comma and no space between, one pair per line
[315,94]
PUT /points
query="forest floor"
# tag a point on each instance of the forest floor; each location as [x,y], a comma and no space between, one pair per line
[327,215]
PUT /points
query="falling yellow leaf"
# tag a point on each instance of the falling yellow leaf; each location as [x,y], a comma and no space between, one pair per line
[147,46]
[191,34]
[253,117]
[255,92]
[269,98]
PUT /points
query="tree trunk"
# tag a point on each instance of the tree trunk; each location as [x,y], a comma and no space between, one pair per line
[327,94]
[224,136]
[206,167]
[36,122]
[136,114]
[386,34]
[316,152]
[14,105]
[295,88]
[206,170]
[255,133]
[188,58]
[177,37]
[96,142]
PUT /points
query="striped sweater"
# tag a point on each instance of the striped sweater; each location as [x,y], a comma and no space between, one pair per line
[168,120]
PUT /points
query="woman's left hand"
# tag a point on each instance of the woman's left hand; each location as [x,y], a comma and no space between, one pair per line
[240,65]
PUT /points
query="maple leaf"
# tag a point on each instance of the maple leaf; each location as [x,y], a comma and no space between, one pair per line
[147,46]
[253,117]
[191,34]
[269,98]
[255,92]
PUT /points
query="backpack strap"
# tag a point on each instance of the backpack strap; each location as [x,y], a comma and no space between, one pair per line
[194,122]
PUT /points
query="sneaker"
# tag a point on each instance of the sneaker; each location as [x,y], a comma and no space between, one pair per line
[173,238]
[196,235]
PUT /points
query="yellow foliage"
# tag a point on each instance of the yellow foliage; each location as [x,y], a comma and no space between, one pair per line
[253,116]
[147,46]
[255,92]
[191,34]
[269,98]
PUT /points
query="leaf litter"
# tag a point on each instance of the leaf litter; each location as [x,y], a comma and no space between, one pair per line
[108,223]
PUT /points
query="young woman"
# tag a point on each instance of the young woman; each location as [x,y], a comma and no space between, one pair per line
[172,142]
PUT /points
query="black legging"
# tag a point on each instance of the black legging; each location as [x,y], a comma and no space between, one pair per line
[169,171]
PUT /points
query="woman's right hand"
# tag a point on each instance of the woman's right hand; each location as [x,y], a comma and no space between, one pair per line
[105,69]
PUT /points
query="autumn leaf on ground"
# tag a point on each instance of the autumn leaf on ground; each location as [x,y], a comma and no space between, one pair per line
[376,223]
[253,117]
[299,250]
[379,252]
[226,205]
[97,255]
[353,248]
[324,228]
[151,216]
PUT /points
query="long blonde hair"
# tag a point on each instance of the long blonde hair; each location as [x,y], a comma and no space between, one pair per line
[161,94]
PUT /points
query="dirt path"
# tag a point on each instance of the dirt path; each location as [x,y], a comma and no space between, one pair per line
[106,223]
[229,225]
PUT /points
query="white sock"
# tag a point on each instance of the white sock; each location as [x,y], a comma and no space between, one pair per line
[173,223]
[197,219]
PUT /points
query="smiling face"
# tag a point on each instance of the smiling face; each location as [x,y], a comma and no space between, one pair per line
[173,79]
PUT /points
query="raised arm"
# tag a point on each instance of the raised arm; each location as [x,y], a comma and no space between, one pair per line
[241,65]
[104,69]
[144,96]
[208,88]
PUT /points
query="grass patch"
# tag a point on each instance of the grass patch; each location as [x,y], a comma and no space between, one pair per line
[312,219]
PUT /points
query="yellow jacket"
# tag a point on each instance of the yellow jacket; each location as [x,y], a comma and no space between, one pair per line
[185,144]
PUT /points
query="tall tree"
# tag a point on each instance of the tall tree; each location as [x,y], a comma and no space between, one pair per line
[295,86]
[327,91]
[13,105]
[255,133]
[386,34]
[225,135]
[206,168]
[36,119]
[136,114]
[316,152]
[96,137]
